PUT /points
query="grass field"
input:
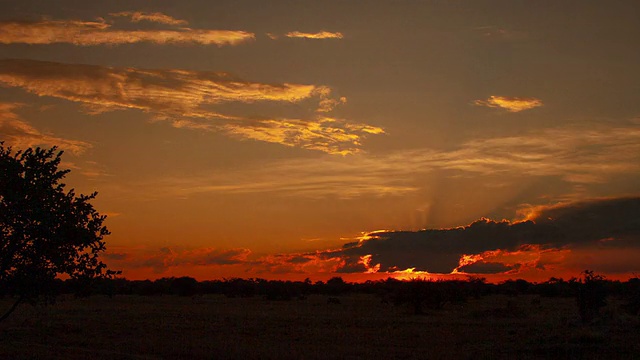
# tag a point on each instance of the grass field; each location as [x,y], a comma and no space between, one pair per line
[360,327]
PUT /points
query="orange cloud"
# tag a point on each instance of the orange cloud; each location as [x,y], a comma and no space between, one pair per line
[512,104]
[318,35]
[506,261]
[577,155]
[137,16]
[16,132]
[366,262]
[329,135]
[185,98]
[88,33]
[168,92]
[327,104]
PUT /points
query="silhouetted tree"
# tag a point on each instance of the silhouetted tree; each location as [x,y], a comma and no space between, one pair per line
[336,286]
[632,296]
[45,231]
[237,287]
[591,296]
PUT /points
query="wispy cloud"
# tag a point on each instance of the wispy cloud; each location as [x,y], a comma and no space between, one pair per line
[17,132]
[579,155]
[88,33]
[168,92]
[306,263]
[329,135]
[158,17]
[186,98]
[163,259]
[327,103]
[512,104]
[318,35]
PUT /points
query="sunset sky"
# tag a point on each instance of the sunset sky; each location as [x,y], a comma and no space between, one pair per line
[362,139]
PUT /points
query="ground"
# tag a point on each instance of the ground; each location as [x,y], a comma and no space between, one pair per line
[359,327]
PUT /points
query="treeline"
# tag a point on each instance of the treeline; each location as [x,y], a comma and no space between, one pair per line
[287,290]
[590,290]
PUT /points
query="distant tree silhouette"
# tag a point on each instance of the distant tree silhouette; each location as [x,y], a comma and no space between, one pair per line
[336,286]
[591,296]
[632,295]
[45,231]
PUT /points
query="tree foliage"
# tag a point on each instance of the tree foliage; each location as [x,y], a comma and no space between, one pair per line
[45,231]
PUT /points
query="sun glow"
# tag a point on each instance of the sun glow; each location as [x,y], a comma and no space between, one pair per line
[366,262]
[411,273]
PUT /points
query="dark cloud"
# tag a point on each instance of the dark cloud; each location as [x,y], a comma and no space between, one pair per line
[612,222]
[167,257]
[596,223]
[299,260]
[482,267]
[116,256]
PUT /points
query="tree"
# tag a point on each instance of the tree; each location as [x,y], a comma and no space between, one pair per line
[45,231]
[591,296]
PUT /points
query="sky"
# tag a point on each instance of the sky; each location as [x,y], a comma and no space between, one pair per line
[299,139]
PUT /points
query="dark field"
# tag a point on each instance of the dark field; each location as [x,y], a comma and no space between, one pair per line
[360,327]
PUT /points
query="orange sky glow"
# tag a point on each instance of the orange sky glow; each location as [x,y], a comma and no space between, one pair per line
[227,139]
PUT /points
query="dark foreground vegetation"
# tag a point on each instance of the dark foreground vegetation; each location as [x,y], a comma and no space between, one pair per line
[180,318]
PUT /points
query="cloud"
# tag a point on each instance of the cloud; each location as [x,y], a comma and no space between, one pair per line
[90,33]
[17,132]
[601,234]
[160,260]
[482,267]
[310,263]
[116,256]
[579,155]
[511,104]
[158,17]
[186,99]
[318,35]
[591,222]
[343,177]
[495,246]
[329,135]
[327,103]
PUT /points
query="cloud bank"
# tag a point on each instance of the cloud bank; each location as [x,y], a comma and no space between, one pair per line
[599,234]
[499,246]
[554,237]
